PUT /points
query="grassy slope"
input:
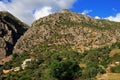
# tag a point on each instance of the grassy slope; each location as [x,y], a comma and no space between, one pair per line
[109,76]
[47,54]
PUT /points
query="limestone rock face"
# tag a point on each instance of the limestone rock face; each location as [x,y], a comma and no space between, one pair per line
[79,31]
[11,30]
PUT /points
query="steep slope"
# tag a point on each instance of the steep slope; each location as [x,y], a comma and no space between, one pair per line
[79,31]
[53,50]
[10,31]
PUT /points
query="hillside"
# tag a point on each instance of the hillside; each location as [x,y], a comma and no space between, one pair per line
[45,62]
[66,46]
[79,31]
[10,31]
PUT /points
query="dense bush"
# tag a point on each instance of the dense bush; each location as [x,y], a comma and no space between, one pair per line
[65,70]
[115,58]
[116,69]
[91,70]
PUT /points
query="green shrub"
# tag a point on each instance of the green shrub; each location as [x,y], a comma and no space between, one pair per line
[25,78]
[115,58]
[65,70]
[116,69]
[14,56]
[89,73]
[92,70]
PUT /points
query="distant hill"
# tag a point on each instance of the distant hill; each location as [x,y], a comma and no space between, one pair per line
[11,30]
[79,31]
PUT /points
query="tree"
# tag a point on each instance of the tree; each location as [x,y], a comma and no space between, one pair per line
[65,70]
[14,56]
[92,70]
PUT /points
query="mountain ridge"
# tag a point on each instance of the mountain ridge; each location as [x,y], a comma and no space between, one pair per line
[86,32]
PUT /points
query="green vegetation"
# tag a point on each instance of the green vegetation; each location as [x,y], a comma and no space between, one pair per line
[65,70]
[116,69]
[60,62]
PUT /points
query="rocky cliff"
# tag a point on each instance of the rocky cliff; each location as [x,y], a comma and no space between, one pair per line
[68,28]
[11,30]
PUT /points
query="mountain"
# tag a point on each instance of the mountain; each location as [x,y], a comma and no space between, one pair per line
[11,30]
[79,31]
[66,46]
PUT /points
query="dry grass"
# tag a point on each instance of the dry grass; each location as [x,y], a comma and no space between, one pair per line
[109,76]
[82,65]
[7,59]
[113,52]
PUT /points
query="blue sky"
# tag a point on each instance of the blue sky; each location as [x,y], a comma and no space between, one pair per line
[30,10]
[101,8]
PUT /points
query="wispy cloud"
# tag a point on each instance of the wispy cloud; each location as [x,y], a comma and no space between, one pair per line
[2,6]
[85,12]
[23,9]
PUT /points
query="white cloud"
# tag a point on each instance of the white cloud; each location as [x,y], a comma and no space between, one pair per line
[114,18]
[23,9]
[43,12]
[97,17]
[85,12]
[2,6]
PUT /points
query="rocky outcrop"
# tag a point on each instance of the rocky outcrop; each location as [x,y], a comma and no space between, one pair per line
[79,31]
[11,30]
